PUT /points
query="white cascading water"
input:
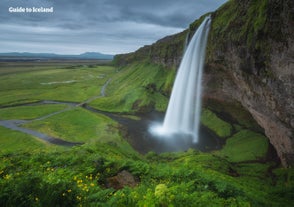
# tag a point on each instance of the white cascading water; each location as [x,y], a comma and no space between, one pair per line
[184,109]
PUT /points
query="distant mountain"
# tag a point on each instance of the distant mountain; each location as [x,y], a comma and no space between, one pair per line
[87,55]
[94,55]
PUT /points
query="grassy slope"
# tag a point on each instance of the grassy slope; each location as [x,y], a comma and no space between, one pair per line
[138,87]
[77,176]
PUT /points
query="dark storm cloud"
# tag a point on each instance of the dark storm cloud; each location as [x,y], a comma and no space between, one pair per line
[111,26]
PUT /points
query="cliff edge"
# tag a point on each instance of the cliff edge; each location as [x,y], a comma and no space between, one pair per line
[250,61]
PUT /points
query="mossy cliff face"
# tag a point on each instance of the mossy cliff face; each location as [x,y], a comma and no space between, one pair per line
[167,52]
[249,61]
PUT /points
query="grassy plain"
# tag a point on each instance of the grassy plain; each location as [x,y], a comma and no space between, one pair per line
[75,84]
[13,67]
[30,82]
[30,112]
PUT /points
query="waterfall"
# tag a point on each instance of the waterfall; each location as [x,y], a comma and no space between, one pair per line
[184,108]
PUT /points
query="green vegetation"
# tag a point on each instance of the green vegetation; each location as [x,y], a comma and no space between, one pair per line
[230,24]
[138,87]
[251,26]
[78,176]
[234,112]
[217,125]
[14,141]
[77,84]
[29,112]
[14,67]
[78,125]
[35,173]
[245,145]
[171,46]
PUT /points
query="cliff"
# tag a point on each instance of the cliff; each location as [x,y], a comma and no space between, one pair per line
[250,60]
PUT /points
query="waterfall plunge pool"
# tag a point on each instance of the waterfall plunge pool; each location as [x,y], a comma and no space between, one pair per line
[137,133]
[142,140]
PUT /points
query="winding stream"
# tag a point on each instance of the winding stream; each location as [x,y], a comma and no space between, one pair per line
[17,124]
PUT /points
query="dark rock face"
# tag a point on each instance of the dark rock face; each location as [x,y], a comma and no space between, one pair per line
[257,67]
[250,60]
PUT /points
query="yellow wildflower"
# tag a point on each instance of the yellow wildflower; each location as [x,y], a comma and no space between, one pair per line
[7,177]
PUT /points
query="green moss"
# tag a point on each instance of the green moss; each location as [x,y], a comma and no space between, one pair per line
[217,125]
[239,22]
[169,81]
[246,24]
[234,113]
[245,145]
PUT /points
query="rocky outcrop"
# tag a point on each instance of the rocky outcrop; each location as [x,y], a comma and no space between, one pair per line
[250,60]
[167,51]
[122,179]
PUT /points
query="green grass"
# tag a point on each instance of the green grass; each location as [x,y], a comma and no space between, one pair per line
[138,87]
[29,112]
[34,173]
[14,67]
[245,145]
[14,142]
[75,85]
[77,176]
[78,125]
[217,125]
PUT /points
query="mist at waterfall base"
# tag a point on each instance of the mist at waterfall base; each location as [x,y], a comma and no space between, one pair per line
[180,127]
[138,136]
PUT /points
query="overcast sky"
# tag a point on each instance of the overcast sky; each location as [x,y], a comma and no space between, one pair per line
[107,26]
